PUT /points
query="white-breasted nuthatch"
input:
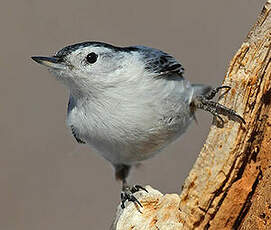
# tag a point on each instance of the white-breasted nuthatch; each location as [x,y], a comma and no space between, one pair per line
[128,103]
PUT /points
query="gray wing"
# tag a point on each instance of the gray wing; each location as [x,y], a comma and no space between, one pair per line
[161,63]
[71,105]
[74,133]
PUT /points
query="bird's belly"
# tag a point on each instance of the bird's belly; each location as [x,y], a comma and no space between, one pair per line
[127,131]
[125,144]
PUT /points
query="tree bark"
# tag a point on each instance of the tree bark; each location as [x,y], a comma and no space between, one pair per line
[229,186]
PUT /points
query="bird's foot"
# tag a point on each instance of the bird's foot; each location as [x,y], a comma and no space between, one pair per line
[127,193]
[204,102]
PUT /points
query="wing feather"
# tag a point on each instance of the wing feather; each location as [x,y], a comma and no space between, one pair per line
[71,105]
[161,63]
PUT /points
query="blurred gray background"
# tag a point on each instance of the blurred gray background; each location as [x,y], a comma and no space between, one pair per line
[47,180]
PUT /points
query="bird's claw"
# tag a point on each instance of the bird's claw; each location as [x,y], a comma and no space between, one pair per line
[128,194]
[204,102]
[137,188]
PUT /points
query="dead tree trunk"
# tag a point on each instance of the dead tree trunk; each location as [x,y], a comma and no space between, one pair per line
[229,186]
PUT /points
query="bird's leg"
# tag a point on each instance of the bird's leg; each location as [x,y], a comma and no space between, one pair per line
[127,191]
[204,102]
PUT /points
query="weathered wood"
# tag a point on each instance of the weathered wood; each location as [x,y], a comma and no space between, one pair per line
[158,211]
[229,184]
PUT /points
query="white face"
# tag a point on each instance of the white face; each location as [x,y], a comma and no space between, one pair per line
[97,65]
[95,61]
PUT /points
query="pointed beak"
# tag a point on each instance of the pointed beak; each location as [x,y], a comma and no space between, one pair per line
[51,62]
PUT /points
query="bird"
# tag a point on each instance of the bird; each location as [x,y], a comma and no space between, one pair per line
[129,103]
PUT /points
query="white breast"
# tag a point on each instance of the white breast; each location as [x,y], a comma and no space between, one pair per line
[128,124]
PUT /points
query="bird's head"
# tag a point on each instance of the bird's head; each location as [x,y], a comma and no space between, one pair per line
[94,64]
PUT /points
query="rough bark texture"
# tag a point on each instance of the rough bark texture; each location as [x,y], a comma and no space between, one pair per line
[229,186]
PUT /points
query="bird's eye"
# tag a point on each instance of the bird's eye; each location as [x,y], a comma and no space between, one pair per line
[92,57]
